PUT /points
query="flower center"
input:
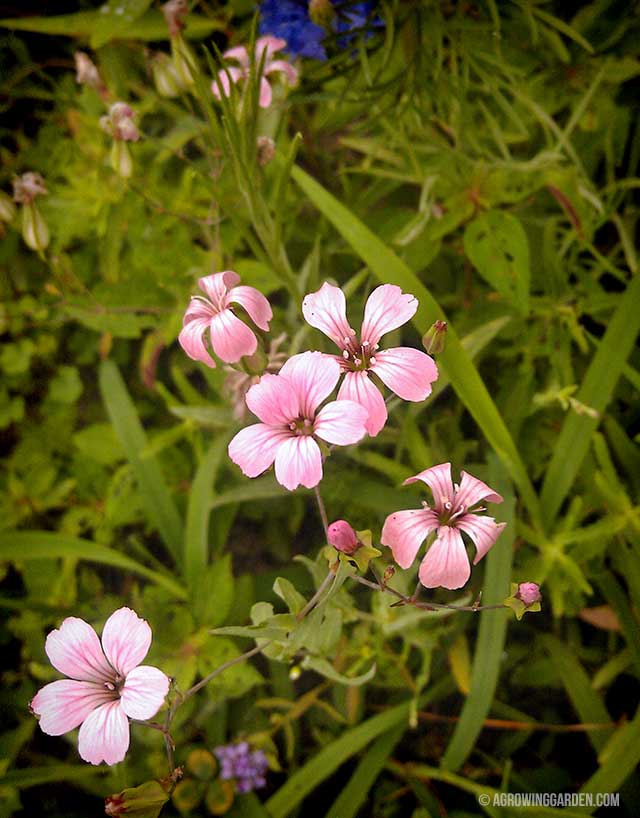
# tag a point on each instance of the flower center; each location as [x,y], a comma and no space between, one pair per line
[358,357]
[301,426]
[115,686]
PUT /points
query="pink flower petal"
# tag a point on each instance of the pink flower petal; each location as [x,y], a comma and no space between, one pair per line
[238,53]
[273,400]
[217,286]
[283,67]
[199,309]
[191,339]
[256,305]
[405,531]
[357,387]
[341,422]
[484,531]
[104,735]
[446,564]
[438,478]
[270,44]
[231,338]
[472,490]
[75,651]
[406,371]
[126,639]
[144,692]
[254,448]
[387,308]
[264,100]
[326,310]
[299,462]
[65,704]
[223,80]
[314,376]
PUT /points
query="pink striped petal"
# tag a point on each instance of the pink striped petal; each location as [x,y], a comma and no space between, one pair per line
[270,44]
[283,67]
[472,490]
[446,564]
[254,448]
[126,639]
[65,704]
[223,80]
[326,310]
[484,531]
[341,422]
[299,462]
[199,309]
[438,478]
[231,338]
[104,735]
[75,651]
[238,53]
[256,305]
[274,400]
[191,339]
[405,531]
[314,376]
[357,387]
[406,371]
[264,100]
[387,308]
[217,286]
[144,692]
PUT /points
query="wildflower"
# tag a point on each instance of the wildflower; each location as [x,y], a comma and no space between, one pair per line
[87,72]
[286,405]
[342,537]
[238,383]
[230,337]
[107,684]
[174,13]
[26,189]
[247,767]
[446,563]
[524,597]
[120,123]
[266,46]
[529,593]
[407,372]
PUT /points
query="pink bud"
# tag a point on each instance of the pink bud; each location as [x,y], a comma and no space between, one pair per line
[343,537]
[529,593]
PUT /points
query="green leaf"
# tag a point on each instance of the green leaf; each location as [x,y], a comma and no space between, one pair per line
[218,417]
[116,18]
[491,632]
[155,495]
[289,595]
[32,777]
[497,246]
[596,391]
[211,590]
[455,361]
[196,534]
[326,669]
[618,759]
[17,546]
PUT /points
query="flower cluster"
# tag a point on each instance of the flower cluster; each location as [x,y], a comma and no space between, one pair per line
[245,766]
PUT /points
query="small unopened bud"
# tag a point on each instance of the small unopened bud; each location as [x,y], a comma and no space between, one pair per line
[144,801]
[121,160]
[266,150]
[28,187]
[87,72]
[528,592]
[183,61]
[165,76]
[434,338]
[7,208]
[342,537]
[174,13]
[322,13]
[255,364]
[389,571]
[34,228]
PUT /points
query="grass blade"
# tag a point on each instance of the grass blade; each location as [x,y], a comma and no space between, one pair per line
[156,497]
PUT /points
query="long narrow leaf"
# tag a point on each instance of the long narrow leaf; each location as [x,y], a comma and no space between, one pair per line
[156,497]
[17,546]
[466,381]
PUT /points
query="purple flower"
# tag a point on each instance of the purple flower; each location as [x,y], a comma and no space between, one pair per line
[248,767]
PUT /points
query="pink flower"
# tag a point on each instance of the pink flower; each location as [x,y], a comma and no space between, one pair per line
[406,371]
[120,123]
[230,337]
[107,684]
[286,404]
[264,45]
[446,563]
[342,537]
[529,593]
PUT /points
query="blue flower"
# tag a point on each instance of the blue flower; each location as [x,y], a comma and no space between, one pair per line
[290,20]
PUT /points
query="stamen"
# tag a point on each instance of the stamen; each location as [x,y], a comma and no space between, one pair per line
[372,360]
[365,343]
[292,425]
[352,332]
[346,339]
[307,423]
[109,686]
[345,354]
[447,504]
[356,361]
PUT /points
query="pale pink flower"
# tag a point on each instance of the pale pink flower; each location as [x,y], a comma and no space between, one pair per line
[230,337]
[406,371]
[107,684]
[446,563]
[120,123]
[286,405]
[264,45]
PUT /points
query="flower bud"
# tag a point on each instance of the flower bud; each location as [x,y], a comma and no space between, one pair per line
[144,801]
[87,72]
[342,537]
[120,123]
[28,187]
[165,76]
[183,61]
[34,228]
[174,13]
[528,592]
[434,338]
[524,597]
[121,160]
[266,150]
[7,208]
